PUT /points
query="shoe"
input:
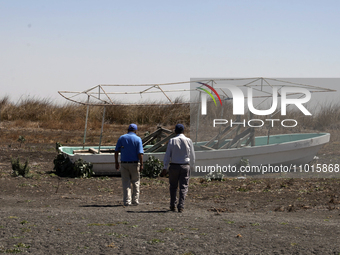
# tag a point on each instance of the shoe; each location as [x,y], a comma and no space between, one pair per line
[180,210]
[172,208]
[127,204]
[135,203]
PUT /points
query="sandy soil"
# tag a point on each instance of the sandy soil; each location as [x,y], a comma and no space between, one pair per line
[45,214]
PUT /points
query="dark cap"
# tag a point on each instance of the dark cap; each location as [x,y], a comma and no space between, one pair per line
[179,128]
[132,127]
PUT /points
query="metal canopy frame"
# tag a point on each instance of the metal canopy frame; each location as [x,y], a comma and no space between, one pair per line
[102,95]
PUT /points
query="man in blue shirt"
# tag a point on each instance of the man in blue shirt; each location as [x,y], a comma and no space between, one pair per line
[180,155]
[131,151]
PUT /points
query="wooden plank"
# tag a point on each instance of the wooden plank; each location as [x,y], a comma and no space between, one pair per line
[107,150]
[224,135]
[166,130]
[160,143]
[236,138]
[238,144]
[81,151]
[162,148]
[248,141]
[158,134]
[217,137]
[216,146]
[93,151]
[223,138]
[240,136]
[206,147]
[150,137]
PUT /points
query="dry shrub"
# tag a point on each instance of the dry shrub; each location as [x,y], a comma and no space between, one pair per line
[42,111]
[4,101]
[328,117]
[325,117]
[154,114]
[71,116]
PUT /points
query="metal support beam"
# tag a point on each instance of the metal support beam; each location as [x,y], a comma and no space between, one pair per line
[101,132]
[198,116]
[87,117]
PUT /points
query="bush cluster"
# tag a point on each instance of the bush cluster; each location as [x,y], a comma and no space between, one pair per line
[152,167]
[19,169]
[65,168]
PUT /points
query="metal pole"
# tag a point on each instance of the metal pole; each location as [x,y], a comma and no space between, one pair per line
[198,116]
[252,131]
[268,135]
[101,132]
[222,111]
[87,117]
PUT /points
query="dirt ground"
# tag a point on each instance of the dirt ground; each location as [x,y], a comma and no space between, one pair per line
[46,214]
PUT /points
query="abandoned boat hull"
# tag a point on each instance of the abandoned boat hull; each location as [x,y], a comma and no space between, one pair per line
[286,150]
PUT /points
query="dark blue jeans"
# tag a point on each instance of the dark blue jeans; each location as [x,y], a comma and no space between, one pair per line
[178,174]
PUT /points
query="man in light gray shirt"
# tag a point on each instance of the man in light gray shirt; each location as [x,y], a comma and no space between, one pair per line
[180,155]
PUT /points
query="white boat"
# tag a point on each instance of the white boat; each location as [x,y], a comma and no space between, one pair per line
[288,150]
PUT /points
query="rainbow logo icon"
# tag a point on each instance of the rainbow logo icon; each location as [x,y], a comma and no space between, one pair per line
[207,91]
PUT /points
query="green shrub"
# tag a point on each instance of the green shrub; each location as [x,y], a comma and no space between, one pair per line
[63,165]
[19,169]
[21,140]
[152,167]
[82,169]
[65,168]
[57,146]
[243,162]
[218,176]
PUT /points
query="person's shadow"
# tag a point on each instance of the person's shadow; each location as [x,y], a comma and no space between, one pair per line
[113,206]
[149,211]
[101,206]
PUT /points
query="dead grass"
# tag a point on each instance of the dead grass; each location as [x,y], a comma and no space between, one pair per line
[44,113]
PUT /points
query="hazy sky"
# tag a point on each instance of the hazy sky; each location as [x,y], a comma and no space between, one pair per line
[48,46]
